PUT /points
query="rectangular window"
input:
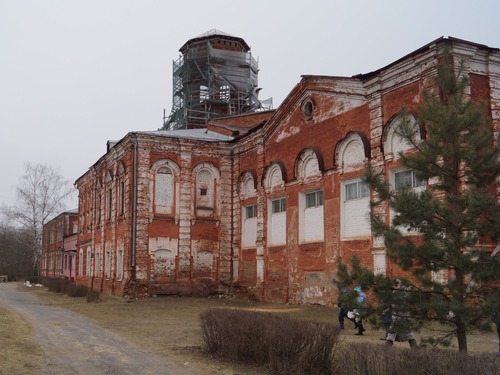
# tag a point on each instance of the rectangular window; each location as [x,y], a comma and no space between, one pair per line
[119,264]
[314,199]
[88,264]
[356,190]
[276,222]
[407,178]
[278,205]
[251,211]
[108,264]
[110,203]
[97,264]
[99,206]
[122,197]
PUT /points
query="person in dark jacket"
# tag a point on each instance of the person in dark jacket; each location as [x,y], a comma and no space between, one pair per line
[343,293]
[360,305]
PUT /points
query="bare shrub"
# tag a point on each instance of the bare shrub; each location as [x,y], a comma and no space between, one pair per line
[77,290]
[55,284]
[93,295]
[368,359]
[281,343]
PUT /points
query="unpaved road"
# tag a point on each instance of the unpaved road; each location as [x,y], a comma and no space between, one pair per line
[74,345]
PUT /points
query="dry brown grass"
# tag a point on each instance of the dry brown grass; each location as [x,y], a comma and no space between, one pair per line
[170,326]
[19,354]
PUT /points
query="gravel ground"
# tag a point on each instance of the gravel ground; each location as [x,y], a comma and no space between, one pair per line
[73,344]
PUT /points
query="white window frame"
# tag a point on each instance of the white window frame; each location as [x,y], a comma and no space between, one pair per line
[311,211]
[276,223]
[251,211]
[314,198]
[355,209]
[416,185]
[249,226]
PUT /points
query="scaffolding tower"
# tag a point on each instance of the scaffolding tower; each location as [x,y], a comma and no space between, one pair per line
[216,76]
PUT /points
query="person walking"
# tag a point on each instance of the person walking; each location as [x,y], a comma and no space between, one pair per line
[360,305]
[400,330]
[341,299]
[400,327]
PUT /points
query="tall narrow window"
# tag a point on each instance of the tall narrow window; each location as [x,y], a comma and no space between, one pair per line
[99,208]
[405,178]
[122,198]
[110,204]
[204,184]
[119,265]
[311,217]
[249,230]
[276,223]
[97,264]
[88,263]
[164,191]
[80,263]
[108,264]
[355,210]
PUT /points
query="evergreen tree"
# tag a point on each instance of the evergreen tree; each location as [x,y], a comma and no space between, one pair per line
[455,218]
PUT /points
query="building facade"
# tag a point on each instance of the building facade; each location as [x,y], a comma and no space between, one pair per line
[58,258]
[265,202]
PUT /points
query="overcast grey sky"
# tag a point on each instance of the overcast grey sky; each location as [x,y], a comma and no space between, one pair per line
[76,73]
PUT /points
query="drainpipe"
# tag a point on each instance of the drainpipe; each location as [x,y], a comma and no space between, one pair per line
[134,208]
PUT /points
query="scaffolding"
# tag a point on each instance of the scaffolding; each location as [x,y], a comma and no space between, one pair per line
[211,82]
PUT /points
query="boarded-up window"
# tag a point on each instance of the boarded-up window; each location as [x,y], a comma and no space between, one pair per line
[355,209]
[164,191]
[277,222]
[205,189]
[311,217]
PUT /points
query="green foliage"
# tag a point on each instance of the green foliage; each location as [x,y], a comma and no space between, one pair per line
[455,216]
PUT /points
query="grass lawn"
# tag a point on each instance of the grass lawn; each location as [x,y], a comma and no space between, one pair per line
[170,325]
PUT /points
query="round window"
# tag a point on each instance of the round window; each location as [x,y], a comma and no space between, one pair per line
[308,109]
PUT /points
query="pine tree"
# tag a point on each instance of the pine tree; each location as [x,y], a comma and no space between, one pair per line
[455,217]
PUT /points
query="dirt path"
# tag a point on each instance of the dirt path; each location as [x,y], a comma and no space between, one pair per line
[75,345]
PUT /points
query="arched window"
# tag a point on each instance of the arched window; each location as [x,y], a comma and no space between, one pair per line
[164,186]
[350,153]
[311,210]
[307,165]
[120,174]
[205,177]
[205,189]
[247,186]
[274,177]
[393,141]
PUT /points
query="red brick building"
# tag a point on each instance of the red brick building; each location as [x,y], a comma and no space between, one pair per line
[264,202]
[58,258]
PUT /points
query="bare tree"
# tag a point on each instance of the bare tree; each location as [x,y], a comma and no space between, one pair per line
[41,195]
[16,257]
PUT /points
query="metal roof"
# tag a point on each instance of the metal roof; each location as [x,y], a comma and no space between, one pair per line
[202,134]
